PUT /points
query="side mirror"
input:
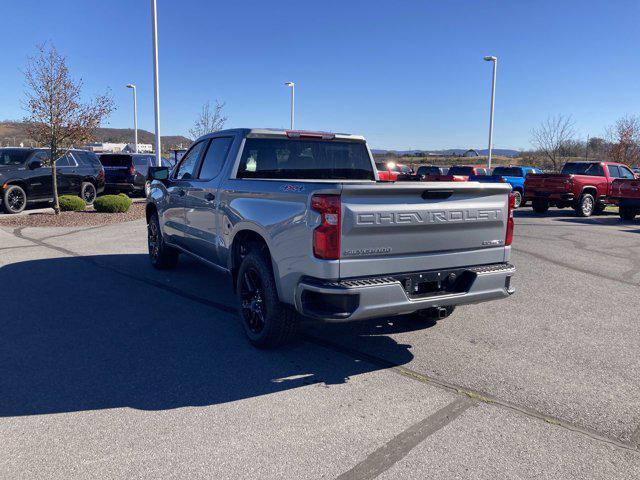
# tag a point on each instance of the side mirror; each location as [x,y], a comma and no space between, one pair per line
[33,164]
[158,173]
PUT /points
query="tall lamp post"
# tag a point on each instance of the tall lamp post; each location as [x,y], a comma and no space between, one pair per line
[293,96]
[493,96]
[156,86]
[135,117]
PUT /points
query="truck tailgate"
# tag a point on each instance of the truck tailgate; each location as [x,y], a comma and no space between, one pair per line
[421,226]
[548,182]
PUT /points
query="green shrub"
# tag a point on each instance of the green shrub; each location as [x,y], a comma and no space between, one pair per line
[71,203]
[112,204]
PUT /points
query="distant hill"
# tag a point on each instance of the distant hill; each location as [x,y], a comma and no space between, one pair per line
[503,152]
[14,133]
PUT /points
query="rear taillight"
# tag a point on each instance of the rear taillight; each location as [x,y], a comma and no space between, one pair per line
[326,237]
[132,170]
[510,222]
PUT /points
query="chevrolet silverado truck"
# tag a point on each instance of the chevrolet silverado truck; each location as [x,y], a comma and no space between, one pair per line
[625,192]
[585,186]
[514,176]
[304,228]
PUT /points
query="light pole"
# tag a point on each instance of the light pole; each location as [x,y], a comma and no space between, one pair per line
[156,86]
[135,118]
[493,96]
[293,96]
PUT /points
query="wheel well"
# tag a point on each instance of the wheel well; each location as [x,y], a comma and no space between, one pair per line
[149,209]
[518,189]
[244,242]
[592,190]
[18,183]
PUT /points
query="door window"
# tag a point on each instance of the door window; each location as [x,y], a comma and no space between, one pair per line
[214,158]
[187,166]
[63,161]
[626,173]
[614,171]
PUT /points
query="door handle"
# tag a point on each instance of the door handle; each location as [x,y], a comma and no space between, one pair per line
[209,197]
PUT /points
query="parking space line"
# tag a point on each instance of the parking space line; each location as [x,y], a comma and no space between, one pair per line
[467,393]
[399,446]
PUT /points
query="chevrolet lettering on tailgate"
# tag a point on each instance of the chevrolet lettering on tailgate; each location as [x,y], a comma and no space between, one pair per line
[436,216]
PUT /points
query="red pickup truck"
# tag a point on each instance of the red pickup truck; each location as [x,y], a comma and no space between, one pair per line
[585,186]
[625,192]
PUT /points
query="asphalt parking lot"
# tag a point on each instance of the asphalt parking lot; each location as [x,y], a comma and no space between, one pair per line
[111,369]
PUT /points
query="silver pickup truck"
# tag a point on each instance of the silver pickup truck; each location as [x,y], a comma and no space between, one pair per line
[303,226]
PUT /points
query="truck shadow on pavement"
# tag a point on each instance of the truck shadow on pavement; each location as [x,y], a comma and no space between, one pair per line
[77,334]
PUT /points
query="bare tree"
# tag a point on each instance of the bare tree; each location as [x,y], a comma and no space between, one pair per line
[209,120]
[552,135]
[57,117]
[624,138]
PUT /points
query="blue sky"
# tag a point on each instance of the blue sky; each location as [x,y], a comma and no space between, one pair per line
[406,74]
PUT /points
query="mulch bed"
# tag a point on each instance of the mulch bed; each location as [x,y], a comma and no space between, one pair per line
[88,218]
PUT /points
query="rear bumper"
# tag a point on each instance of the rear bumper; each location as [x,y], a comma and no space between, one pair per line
[551,196]
[363,298]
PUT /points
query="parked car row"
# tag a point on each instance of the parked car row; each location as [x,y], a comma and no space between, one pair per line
[26,179]
[587,187]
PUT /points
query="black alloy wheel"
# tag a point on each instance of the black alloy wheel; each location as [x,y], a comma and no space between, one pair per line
[254,308]
[15,199]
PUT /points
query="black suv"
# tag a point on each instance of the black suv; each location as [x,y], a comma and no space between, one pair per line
[127,172]
[25,179]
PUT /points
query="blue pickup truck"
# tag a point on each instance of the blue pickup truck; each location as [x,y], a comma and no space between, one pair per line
[514,176]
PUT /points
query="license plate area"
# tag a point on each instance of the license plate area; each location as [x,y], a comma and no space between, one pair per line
[436,282]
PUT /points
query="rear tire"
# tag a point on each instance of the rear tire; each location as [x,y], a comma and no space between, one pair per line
[540,206]
[585,206]
[628,213]
[88,192]
[267,322]
[161,255]
[14,199]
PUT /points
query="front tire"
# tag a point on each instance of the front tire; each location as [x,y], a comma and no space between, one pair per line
[267,322]
[586,205]
[540,206]
[88,192]
[14,199]
[162,256]
[628,213]
[517,199]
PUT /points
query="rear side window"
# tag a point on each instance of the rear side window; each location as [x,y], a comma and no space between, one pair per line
[591,169]
[214,158]
[115,160]
[305,159]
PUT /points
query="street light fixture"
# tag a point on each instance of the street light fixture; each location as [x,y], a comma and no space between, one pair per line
[156,85]
[293,95]
[135,118]
[493,95]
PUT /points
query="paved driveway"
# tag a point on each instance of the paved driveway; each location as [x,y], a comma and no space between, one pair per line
[111,369]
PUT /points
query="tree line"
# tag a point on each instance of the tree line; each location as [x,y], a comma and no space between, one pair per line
[554,141]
